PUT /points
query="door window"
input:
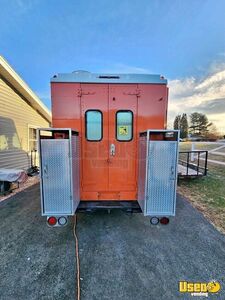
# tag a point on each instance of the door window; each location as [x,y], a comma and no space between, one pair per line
[93,125]
[124,125]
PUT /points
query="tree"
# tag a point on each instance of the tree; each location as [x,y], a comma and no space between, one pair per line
[184,126]
[199,124]
[212,133]
[181,123]
[176,123]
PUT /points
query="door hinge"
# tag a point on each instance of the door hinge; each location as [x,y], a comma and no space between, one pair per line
[81,93]
[135,93]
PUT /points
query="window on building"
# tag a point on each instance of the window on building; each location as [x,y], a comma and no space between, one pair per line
[124,125]
[93,125]
[32,138]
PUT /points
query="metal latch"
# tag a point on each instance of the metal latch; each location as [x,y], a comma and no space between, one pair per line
[112,150]
[172,172]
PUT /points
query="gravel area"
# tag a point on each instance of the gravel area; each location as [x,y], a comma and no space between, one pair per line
[22,186]
[121,255]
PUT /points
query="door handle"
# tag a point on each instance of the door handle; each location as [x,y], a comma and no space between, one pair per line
[172,172]
[45,170]
[112,150]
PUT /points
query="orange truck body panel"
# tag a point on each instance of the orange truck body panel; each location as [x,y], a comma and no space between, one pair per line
[106,177]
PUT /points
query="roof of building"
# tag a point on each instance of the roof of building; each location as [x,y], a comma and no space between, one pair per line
[87,77]
[20,86]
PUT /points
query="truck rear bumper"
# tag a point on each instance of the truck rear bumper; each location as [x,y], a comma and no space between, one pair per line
[129,206]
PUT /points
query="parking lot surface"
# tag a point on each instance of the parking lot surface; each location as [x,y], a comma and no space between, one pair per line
[122,256]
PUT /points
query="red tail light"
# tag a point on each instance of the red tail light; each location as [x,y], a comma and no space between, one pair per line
[164,220]
[52,221]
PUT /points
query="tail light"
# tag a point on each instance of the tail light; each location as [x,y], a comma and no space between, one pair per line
[52,221]
[154,220]
[62,221]
[164,220]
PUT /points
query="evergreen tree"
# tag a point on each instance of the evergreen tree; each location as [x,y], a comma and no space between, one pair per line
[199,124]
[181,123]
[176,123]
[184,126]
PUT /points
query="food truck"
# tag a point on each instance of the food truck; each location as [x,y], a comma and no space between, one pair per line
[108,147]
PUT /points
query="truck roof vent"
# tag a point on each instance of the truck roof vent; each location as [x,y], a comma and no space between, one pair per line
[80,71]
[108,77]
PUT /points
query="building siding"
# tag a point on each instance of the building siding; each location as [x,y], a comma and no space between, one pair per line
[16,115]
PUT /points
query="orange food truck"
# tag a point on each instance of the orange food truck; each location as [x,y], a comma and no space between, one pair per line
[108,147]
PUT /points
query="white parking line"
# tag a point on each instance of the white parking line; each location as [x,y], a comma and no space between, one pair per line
[218,153]
[214,161]
[218,148]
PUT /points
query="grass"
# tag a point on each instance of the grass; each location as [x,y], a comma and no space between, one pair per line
[186,146]
[207,194]
[217,157]
[221,150]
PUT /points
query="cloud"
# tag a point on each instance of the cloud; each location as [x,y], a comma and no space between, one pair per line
[215,106]
[205,95]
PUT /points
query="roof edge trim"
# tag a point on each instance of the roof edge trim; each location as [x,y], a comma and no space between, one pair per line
[86,77]
[20,85]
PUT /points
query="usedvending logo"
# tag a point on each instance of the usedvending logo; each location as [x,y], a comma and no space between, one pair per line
[202,289]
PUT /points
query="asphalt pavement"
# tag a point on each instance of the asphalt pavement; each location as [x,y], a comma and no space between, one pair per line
[122,256]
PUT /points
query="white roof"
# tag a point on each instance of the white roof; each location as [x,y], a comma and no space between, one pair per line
[87,77]
[17,82]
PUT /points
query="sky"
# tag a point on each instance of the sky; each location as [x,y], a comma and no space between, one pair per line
[182,40]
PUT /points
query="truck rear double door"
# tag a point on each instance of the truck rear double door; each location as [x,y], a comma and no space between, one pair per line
[109,141]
